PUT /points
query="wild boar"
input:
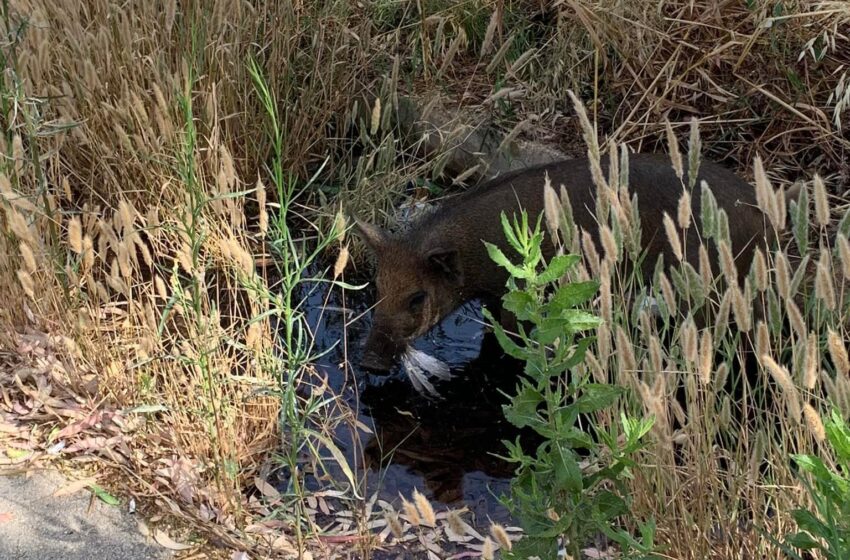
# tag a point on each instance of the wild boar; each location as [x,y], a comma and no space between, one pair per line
[440,261]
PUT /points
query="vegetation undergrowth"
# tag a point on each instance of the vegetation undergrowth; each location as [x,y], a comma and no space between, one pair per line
[571,489]
[825,528]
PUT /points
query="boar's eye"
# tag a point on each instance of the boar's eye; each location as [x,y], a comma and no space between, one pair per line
[416,301]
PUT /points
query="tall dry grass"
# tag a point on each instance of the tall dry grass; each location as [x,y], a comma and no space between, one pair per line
[737,372]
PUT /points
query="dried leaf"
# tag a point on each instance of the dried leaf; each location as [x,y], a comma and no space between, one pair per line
[164,540]
[74,487]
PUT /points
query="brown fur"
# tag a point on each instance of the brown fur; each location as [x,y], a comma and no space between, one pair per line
[442,257]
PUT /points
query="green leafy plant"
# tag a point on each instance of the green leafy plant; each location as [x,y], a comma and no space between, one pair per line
[826,529]
[571,489]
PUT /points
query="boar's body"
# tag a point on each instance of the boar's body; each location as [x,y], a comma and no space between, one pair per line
[441,261]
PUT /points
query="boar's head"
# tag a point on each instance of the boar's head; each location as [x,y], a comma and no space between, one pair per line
[419,282]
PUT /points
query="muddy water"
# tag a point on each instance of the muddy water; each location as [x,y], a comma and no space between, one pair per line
[442,447]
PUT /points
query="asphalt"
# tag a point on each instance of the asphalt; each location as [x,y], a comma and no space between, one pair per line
[35,525]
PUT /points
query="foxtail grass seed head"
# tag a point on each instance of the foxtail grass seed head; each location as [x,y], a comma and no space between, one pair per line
[88,253]
[28,257]
[341,261]
[705,271]
[668,294]
[783,379]
[673,237]
[762,338]
[501,536]
[609,244]
[760,271]
[683,216]
[721,321]
[727,264]
[75,235]
[656,355]
[675,154]
[688,339]
[844,256]
[488,551]
[18,154]
[838,352]
[394,524]
[781,209]
[824,289]
[742,309]
[625,351]
[127,215]
[821,202]
[411,512]
[795,318]
[455,524]
[552,209]
[720,376]
[423,506]
[764,190]
[590,254]
[613,167]
[27,284]
[375,122]
[588,131]
[782,272]
[812,362]
[814,423]
[694,152]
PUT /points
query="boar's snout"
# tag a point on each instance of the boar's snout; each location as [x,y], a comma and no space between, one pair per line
[379,352]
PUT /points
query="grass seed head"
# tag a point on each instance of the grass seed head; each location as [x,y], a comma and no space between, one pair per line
[821,202]
[501,536]
[812,362]
[783,379]
[838,352]
[673,237]
[426,512]
[411,512]
[824,288]
[814,423]
[488,551]
[675,154]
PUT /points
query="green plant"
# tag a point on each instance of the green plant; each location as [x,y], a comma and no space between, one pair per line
[302,411]
[825,529]
[572,486]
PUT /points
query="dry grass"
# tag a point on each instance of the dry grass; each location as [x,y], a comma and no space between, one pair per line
[134,232]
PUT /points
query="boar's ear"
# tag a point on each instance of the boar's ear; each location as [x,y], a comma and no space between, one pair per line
[373,235]
[446,261]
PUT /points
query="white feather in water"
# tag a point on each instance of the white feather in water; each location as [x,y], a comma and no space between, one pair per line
[419,366]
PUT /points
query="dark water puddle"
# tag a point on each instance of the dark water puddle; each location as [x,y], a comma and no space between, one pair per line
[441,447]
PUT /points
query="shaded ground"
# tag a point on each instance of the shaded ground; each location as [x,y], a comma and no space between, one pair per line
[35,525]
